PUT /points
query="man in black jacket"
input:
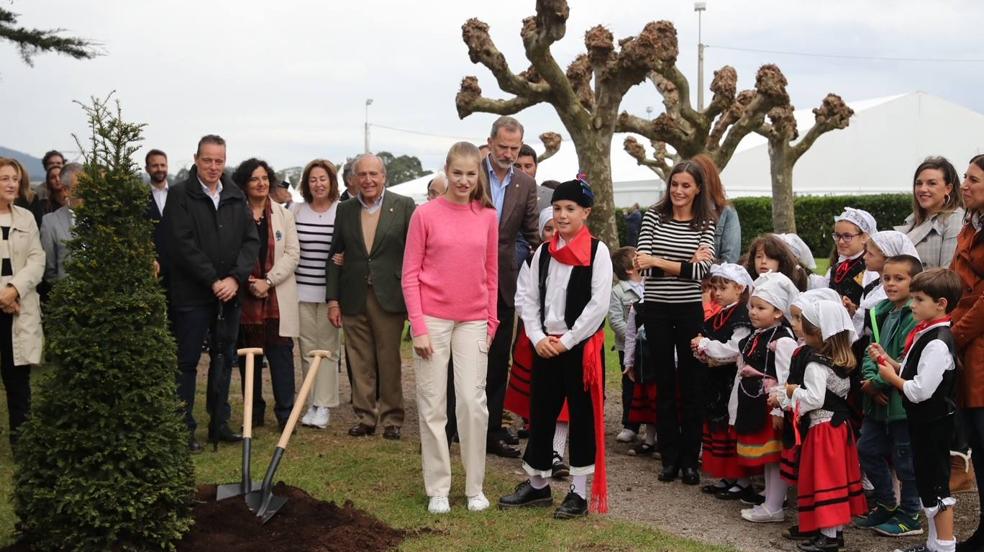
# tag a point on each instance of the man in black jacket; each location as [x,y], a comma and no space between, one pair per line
[212,247]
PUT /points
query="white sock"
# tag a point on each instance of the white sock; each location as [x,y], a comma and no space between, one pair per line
[580,485]
[650,434]
[945,546]
[560,438]
[931,525]
[538,482]
[830,532]
[775,488]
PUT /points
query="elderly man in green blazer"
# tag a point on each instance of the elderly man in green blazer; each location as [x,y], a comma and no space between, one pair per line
[365,297]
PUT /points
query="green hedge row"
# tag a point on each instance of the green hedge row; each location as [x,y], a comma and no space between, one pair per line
[814,216]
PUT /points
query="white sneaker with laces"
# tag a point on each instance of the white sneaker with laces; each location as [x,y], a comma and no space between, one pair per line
[321,416]
[439,505]
[309,416]
[625,436]
[759,514]
[477,503]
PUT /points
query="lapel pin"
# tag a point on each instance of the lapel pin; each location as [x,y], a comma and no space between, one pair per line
[391,209]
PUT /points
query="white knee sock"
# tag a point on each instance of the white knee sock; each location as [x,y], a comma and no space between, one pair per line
[560,438]
[830,532]
[581,485]
[931,526]
[775,488]
[945,546]
[538,482]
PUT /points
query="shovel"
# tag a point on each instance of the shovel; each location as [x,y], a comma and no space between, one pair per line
[246,485]
[263,502]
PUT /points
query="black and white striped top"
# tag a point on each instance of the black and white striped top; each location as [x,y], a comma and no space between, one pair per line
[314,232]
[674,241]
[6,268]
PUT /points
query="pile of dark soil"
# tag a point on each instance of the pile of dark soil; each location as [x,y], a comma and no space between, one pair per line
[303,524]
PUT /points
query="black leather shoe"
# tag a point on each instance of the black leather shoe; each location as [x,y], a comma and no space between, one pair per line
[391,433]
[794,533]
[820,543]
[194,446]
[572,507]
[509,436]
[225,435]
[559,470]
[361,430]
[690,476]
[668,474]
[499,447]
[526,496]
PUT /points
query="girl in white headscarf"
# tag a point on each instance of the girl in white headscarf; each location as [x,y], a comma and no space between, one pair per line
[829,480]
[848,274]
[881,246]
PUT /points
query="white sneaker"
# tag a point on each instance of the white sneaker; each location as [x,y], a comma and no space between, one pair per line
[321,417]
[309,416]
[625,436]
[759,514]
[440,505]
[477,503]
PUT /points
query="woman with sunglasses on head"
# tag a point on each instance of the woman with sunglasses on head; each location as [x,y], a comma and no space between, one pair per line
[672,312]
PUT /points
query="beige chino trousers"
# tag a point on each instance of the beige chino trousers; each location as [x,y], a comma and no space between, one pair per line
[318,334]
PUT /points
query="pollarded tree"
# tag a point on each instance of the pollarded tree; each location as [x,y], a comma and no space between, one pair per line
[103,463]
[586,96]
[715,131]
[551,145]
[781,132]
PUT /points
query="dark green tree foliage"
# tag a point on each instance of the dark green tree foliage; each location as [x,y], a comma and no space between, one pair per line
[103,464]
[400,169]
[31,42]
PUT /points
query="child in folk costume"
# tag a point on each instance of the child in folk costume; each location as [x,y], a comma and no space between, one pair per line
[848,274]
[717,346]
[762,368]
[807,263]
[517,398]
[881,246]
[829,478]
[638,368]
[770,253]
[926,377]
[628,291]
[563,314]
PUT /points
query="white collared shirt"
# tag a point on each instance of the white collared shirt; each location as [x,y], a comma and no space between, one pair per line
[215,198]
[933,362]
[160,195]
[375,206]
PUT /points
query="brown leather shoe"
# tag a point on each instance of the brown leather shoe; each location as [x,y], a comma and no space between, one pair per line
[361,430]
[392,433]
[962,477]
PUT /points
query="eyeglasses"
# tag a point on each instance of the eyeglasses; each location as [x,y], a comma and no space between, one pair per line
[843,237]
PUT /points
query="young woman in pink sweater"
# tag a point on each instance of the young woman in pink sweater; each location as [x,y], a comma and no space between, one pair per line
[450,279]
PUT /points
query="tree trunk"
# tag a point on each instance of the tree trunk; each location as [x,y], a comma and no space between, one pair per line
[594,159]
[781,167]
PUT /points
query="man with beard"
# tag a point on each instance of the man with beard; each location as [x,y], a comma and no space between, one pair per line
[513,194]
[156,166]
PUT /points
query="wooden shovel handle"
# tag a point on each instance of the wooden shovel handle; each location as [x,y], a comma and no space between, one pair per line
[316,357]
[250,355]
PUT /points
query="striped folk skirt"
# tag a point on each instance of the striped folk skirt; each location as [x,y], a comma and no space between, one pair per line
[829,482]
[719,457]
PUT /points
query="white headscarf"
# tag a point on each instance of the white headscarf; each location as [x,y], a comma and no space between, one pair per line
[860,218]
[734,272]
[830,316]
[800,249]
[546,214]
[816,294]
[894,243]
[776,289]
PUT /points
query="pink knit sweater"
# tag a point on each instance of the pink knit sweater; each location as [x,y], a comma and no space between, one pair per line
[450,265]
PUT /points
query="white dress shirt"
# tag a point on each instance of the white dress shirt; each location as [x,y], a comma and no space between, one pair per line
[214,197]
[160,196]
[933,363]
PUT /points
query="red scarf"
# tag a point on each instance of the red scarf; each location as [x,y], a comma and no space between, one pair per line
[594,375]
[577,251]
[911,338]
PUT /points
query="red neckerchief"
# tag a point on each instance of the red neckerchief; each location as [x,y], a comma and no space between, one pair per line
[845,267]
[577,251]
[911,338]
[719,320]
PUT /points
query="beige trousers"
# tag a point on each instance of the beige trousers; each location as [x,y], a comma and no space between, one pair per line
[318,334]
[372,342]
[465,343]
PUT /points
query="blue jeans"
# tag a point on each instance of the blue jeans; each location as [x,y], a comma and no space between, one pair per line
[191,325]
[879,441]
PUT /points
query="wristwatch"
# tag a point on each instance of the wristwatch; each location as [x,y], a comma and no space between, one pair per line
[268,282]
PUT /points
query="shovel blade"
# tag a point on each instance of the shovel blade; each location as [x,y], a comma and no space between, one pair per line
[230,490]
[276,503]
[254,500]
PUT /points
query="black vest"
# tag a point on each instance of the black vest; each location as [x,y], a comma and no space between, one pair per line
[942,403]
[578,286]
[722,325]
[756,351]
[846,278]
[753,413]
[720,379]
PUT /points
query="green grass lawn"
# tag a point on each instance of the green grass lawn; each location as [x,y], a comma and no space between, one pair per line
[384,478]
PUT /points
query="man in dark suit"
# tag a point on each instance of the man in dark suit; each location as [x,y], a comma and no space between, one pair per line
[365,296]
[514,195]
[156,166]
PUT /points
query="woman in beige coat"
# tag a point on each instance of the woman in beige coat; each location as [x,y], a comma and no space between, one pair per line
[22,262]
[269,306]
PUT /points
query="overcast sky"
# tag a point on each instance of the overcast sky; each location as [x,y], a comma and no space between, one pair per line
[288,80]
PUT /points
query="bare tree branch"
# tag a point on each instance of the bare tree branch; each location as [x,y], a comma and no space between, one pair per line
[551,145]
[469,100]
[832,114]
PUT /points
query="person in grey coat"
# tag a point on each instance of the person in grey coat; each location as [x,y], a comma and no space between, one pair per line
[56,227]
[937,212]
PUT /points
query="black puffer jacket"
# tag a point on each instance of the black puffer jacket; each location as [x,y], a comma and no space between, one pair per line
[205,244]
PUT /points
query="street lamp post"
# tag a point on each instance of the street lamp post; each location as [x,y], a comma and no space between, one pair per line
[700,7]
[368,103]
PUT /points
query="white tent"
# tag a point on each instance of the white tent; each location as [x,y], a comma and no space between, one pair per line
[886,140]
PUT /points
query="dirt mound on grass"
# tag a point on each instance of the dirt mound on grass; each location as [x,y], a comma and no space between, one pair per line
[303,524]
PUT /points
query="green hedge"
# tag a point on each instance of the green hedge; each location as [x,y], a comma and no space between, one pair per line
[814,216]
